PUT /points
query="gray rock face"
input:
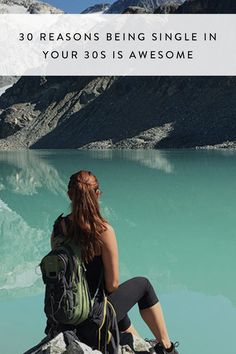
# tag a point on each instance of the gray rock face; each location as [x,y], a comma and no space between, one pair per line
[96,8]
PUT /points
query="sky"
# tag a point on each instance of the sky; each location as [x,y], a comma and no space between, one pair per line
[75,6]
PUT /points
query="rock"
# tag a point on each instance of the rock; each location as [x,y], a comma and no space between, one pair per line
[133,344]
[58,346]
[129,345]
[224,145]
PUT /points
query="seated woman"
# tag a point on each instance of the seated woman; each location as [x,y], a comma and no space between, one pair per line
[98,245]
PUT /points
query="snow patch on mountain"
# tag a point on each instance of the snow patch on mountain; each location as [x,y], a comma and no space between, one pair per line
[4,88]
[98,8]
[26,6]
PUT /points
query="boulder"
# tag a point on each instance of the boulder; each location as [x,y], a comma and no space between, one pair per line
[68,343]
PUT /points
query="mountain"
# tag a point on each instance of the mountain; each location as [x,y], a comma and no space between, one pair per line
[97,8]
[22,7]
[118,112]
[149,5]
[122,112]
[27,6]
[208,7]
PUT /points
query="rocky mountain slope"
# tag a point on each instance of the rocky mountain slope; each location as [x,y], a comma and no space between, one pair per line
[35,106]
[121,112]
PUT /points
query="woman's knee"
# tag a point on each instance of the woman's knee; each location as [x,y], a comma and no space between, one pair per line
[149,298]
[145,282]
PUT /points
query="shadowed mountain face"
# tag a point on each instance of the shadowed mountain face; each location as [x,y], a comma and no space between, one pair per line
[208,7]
[152,112]
[126,112]
[148,5]
[121,112]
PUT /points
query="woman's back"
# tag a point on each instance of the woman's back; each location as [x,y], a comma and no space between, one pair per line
[94,268]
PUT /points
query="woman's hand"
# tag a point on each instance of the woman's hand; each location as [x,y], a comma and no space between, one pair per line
[110,259]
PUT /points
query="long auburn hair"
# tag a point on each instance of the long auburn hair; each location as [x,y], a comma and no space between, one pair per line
[87,222]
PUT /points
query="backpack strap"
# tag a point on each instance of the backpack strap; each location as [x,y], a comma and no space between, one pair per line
[59,226]
[59,232]
[57,229]
[63,226]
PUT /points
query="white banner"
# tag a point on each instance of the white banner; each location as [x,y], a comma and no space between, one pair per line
[98,44]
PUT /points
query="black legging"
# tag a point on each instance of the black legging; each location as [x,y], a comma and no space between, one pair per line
[136,290]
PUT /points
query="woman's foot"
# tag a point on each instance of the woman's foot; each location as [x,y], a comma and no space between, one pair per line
[159,349]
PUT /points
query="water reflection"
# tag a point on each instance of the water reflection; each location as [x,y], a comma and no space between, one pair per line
[148,158]
[152,159]
[21,248]
[29,173]
[28,183]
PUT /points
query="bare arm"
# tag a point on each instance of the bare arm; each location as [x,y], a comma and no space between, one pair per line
[110,259]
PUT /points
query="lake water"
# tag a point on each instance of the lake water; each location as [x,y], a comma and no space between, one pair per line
[174,216]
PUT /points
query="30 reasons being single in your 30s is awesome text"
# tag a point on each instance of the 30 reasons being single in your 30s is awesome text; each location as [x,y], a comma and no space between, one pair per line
[115,37]
[117,45]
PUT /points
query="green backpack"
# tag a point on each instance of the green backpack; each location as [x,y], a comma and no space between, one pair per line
[67,297]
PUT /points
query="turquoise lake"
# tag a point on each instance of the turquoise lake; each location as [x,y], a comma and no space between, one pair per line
[174,216]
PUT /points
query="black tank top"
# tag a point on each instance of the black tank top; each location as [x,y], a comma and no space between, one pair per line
[94,269]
